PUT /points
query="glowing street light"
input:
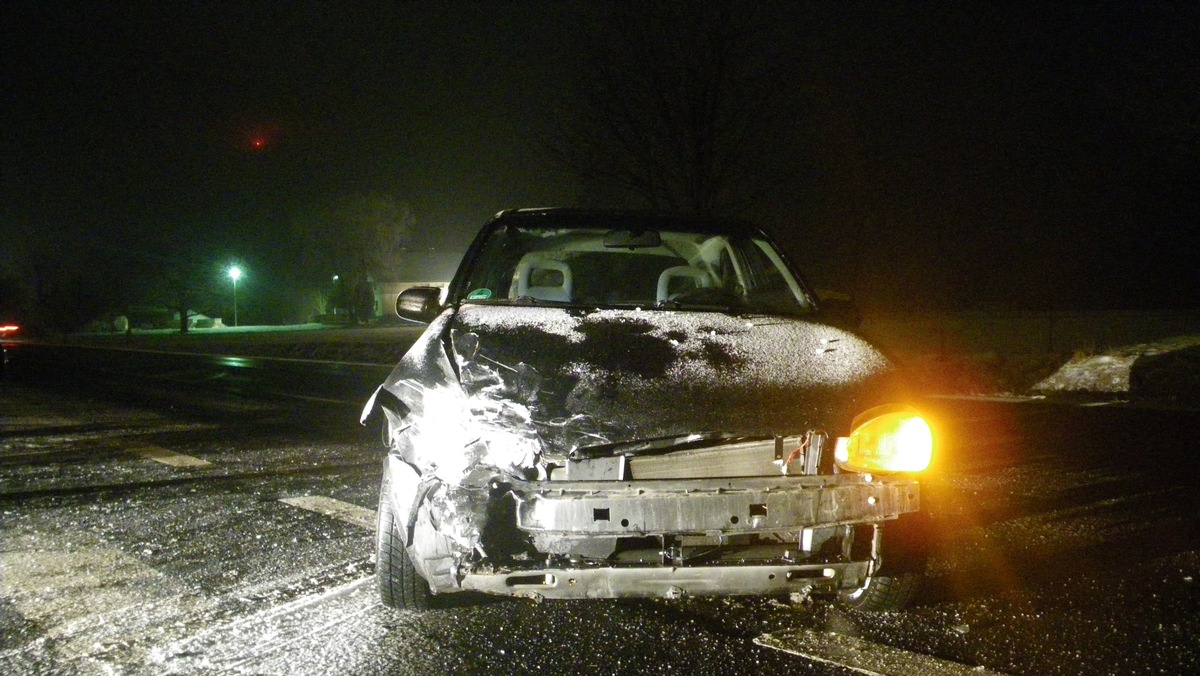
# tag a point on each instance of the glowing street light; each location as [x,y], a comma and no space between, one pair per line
[235,273]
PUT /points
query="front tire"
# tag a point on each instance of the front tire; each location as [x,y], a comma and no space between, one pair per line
[883,592]
[905,549]
[399,584]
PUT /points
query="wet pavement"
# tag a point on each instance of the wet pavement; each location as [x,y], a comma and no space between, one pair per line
[154,529]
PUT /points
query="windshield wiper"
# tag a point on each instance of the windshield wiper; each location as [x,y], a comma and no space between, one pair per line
[671,304]
[530,300]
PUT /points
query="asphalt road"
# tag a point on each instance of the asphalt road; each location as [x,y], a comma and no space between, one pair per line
[212,515]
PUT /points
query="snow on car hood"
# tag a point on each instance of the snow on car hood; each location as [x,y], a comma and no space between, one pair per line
[509,383]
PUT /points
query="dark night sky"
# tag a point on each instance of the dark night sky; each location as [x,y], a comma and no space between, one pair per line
[1028,154]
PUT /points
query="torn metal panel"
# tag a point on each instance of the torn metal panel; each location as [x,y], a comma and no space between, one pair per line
[405,486]
[453,425]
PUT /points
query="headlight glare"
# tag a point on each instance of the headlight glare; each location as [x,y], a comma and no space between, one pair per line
[886,440]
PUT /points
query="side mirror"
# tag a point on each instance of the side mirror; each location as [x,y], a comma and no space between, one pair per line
[419,303]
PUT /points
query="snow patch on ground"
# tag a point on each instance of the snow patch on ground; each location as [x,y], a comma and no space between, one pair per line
[1167,368]
[1095,373]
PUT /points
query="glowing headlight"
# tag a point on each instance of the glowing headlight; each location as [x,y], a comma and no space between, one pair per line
[886,440]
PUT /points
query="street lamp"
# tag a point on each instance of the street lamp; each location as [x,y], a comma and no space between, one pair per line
[235,273]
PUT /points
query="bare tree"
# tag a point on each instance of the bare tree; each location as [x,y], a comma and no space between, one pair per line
[356,237]
[357,234]
[64,285]
[179,276]
[675,109]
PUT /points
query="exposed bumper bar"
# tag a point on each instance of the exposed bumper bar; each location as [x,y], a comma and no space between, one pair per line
[711,507]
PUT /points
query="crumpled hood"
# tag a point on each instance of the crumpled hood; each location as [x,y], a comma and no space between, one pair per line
[559,379]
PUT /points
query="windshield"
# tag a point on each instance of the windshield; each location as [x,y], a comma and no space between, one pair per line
[646,269]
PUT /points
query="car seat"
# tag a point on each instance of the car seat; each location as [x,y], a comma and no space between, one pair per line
[544,278]
[681,279]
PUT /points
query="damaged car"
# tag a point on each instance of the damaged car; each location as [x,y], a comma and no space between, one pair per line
[613,404]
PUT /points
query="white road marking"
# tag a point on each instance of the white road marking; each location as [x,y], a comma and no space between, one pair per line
[168,457]
[342,511]
[863,657]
